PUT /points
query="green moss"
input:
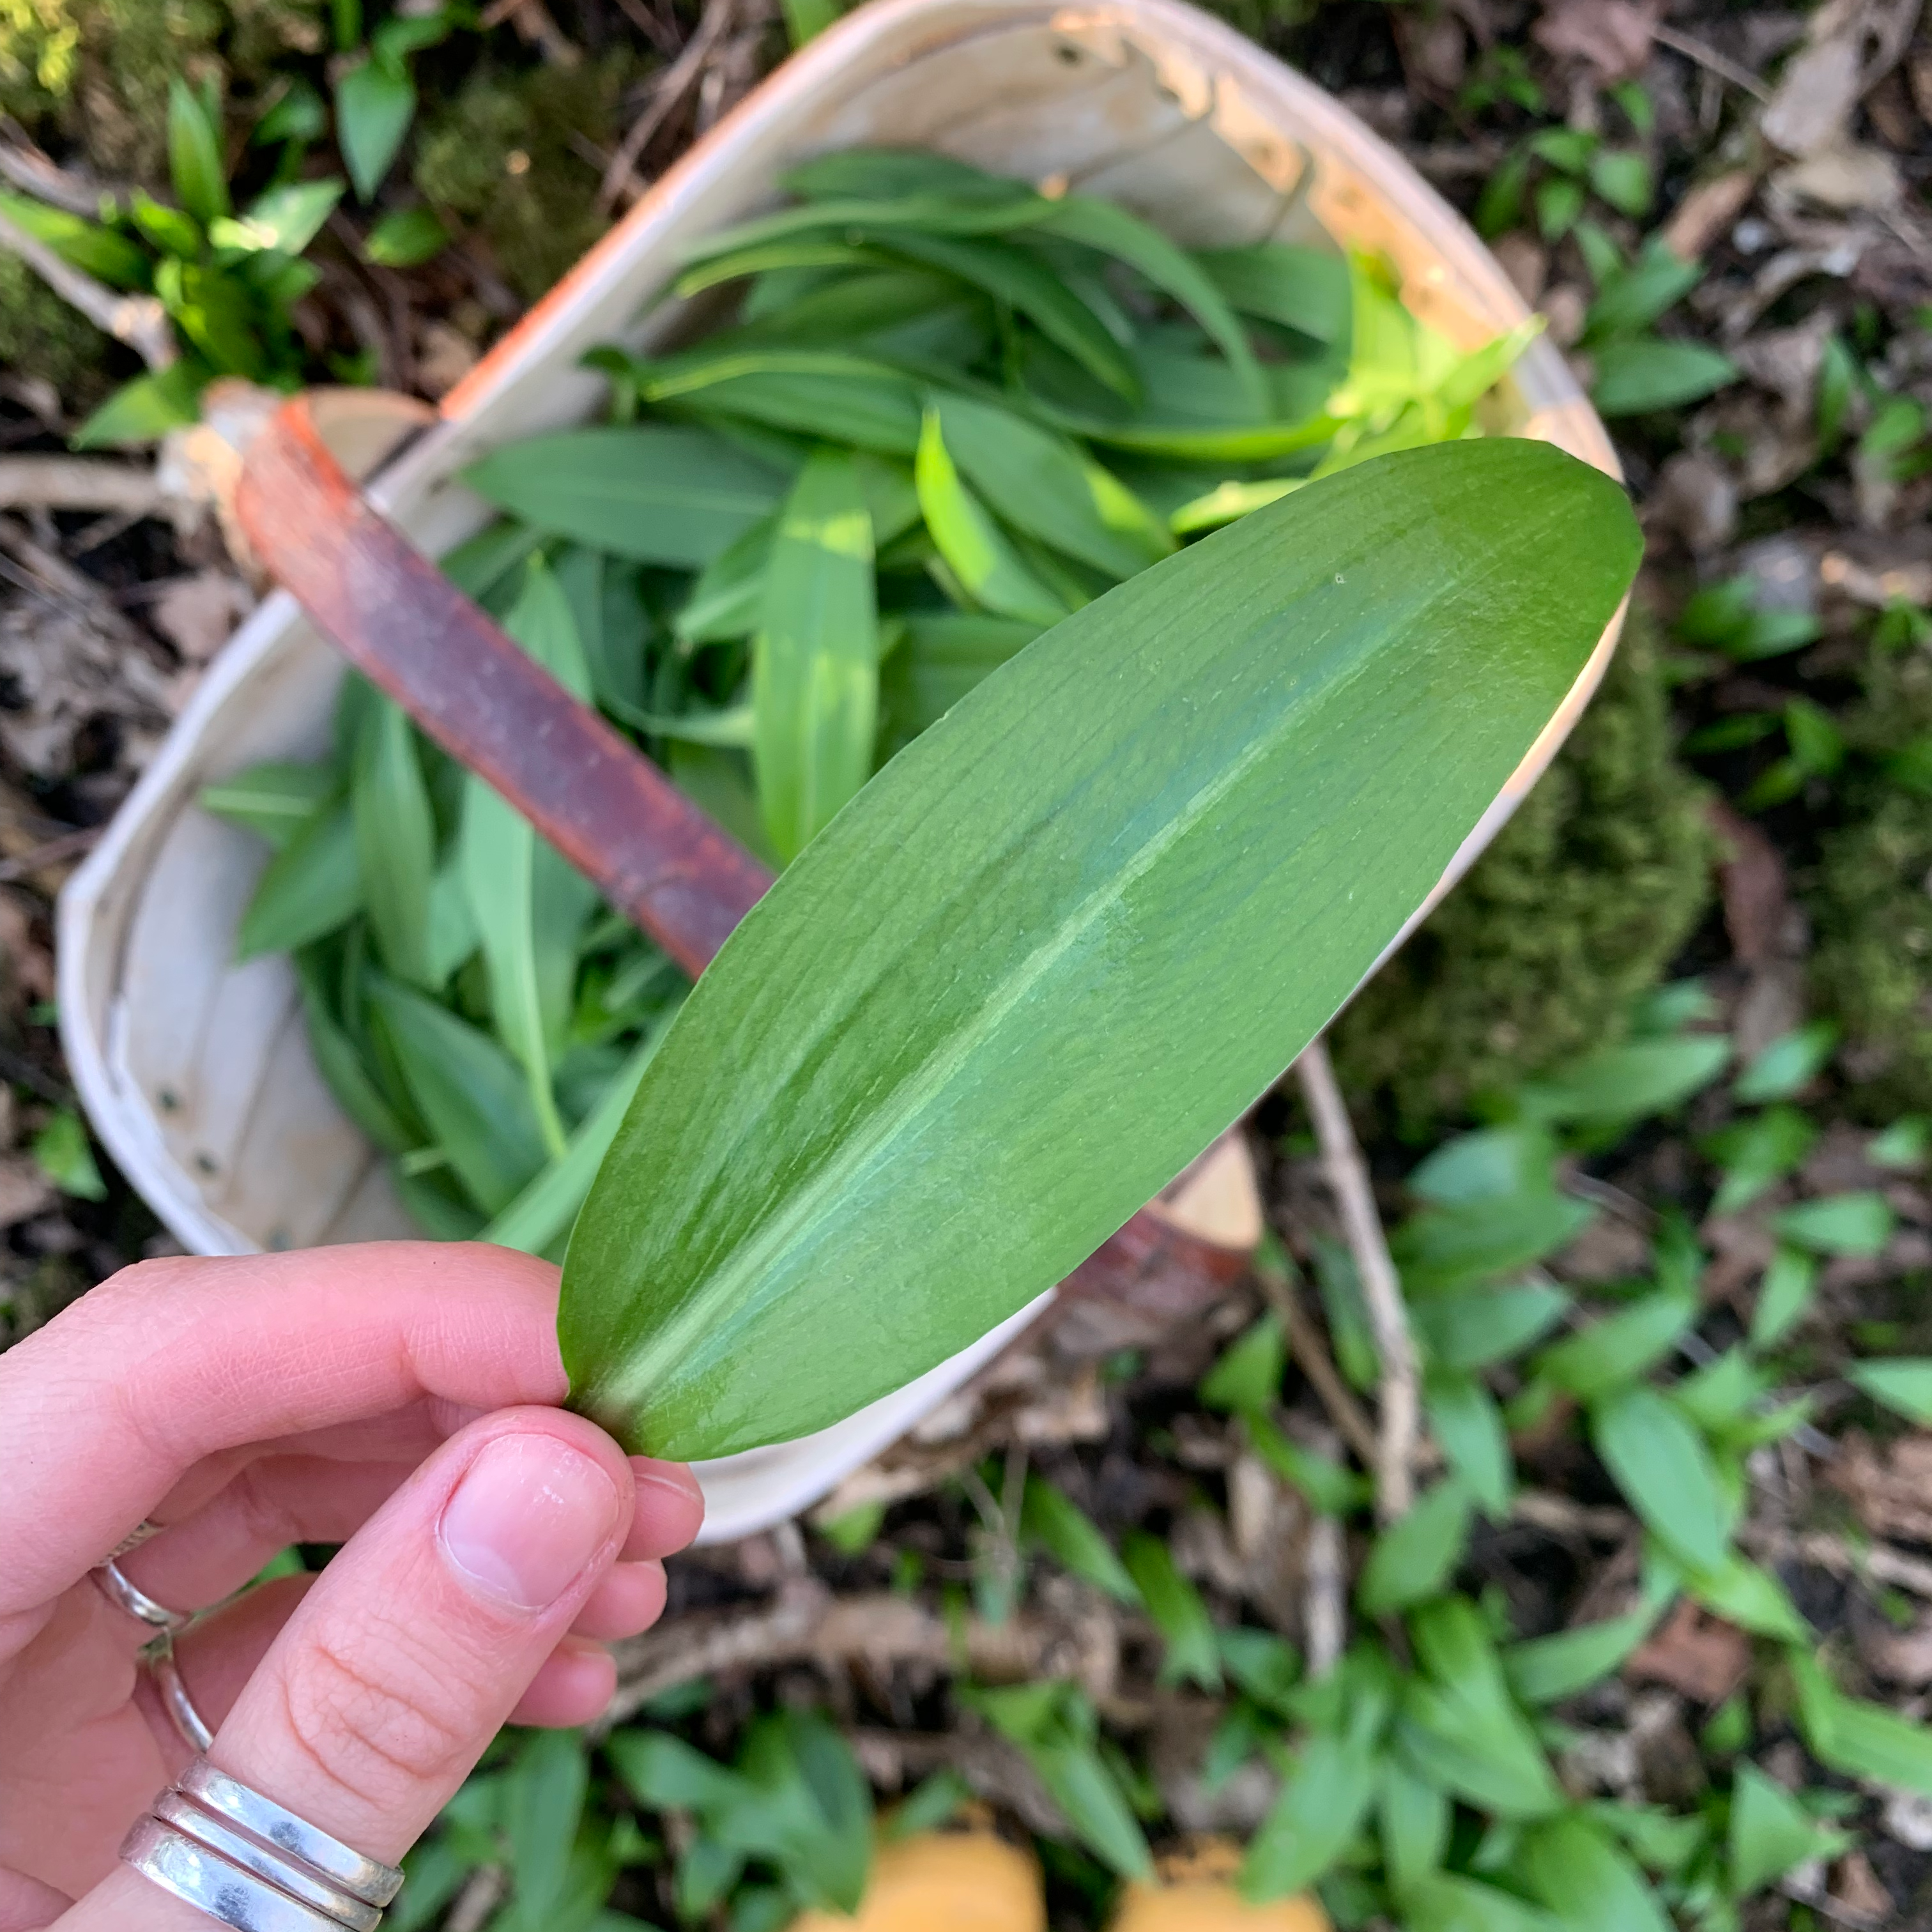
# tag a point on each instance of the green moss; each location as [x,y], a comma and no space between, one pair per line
[96,72]
[1579,905]
[40,335]
[1868,901]
[501,155]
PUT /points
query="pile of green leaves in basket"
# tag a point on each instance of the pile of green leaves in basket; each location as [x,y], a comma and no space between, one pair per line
[1087,828]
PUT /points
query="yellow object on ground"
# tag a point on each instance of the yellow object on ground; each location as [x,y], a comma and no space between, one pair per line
[945,1882]
[1209,1906]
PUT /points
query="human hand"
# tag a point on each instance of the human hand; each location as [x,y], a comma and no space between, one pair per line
[383,1395]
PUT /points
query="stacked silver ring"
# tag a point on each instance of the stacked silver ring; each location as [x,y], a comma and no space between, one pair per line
[245,1860]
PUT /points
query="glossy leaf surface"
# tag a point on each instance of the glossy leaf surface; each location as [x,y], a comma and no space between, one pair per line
[1065,937]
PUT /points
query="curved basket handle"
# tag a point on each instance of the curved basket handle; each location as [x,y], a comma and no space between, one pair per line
[655,856]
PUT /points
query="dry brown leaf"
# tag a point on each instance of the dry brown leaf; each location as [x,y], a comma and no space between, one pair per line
[1696,499]
[1757,895]
[1694,1652]
[1706,211]
[1890,1490]
[1838,180]
[1856,1890]
[198,614]
[24,1191]
[1613,36]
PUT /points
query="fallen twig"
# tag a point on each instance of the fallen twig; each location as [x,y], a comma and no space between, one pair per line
[35,173]
[1701,54]
[483,1890]
[536,27]
[80,483]
[1875,1562]
[807,1625]
[621,178]
[1348,1177]
[139,321]
[1544,1510]
[1325,1614]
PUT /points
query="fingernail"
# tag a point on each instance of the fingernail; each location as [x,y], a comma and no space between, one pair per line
[529,1512]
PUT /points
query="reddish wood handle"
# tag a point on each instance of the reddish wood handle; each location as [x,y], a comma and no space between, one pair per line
[657,858]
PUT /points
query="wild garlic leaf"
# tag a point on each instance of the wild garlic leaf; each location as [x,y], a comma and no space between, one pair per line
[815,660]
[395,839]
[980,554]
[312,886]
[659,493]
[273,801]
[1063,921]
[499,856]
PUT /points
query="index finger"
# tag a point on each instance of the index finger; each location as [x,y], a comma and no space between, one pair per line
[111,1403]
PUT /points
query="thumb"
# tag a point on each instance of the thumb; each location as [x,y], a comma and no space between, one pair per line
[398,1667]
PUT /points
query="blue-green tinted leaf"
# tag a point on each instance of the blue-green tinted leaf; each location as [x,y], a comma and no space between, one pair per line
[1413,1558]
[1177,1611]
[1903,1384]
[274,800]
[312,887]
[1786,1293]
[470,1092]
[1620,1348]
[1319,1811]
[1770,1832]
[374,104]
[395,840]
[1841,1224]
[1546,1670]
[1635,377]
[1624,1083]
[1574,1868]
[1464,1418]
[1789,1063]
[1300,288]
[1050,1520]
[1472,1331]
[964,1042]
[1665,1472]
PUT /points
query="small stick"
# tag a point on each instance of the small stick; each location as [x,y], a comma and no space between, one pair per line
[139,321]
[34,173]
[621,178]
[1348,1177]
[1324,1617]
[1701,54]
[80,483]
[1309,1353]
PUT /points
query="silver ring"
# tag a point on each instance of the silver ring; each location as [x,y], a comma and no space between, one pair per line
[171,1808]
[205,1879]
[167,1675]
[136,1601]
[262,1818]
